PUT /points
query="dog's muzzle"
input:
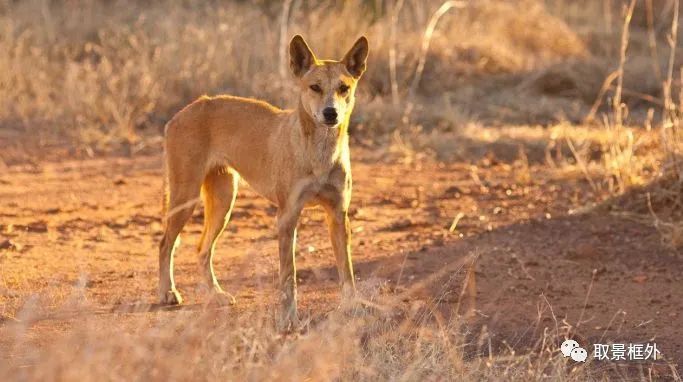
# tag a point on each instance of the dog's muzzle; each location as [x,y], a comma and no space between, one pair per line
[330,115]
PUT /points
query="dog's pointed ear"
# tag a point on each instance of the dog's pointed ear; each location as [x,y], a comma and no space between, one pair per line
[355,59]
[301,58]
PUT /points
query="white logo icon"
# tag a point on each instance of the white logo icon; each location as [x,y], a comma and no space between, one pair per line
[579,354]
[571,348]
[568,346]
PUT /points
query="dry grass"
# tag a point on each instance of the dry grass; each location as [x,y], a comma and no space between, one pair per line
[102,75]
[99,72]
[377,340]
[627,169]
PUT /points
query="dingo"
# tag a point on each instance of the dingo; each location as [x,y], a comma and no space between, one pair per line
[294,158]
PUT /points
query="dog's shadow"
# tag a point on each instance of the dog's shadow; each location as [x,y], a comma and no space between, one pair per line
[142,307]
[123,308]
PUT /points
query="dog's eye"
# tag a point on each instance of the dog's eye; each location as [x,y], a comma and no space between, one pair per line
[343,89]
[316,88]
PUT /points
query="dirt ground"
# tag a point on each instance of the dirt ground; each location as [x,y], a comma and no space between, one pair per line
[539,261]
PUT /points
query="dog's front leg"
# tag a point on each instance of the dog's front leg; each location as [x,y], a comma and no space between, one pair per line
[286,224]
[340,235]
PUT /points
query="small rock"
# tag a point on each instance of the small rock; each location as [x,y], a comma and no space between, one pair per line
[400,224]
[454,190]
[37,227]
[640,279]
[7,244]
[584,251]
[118,223]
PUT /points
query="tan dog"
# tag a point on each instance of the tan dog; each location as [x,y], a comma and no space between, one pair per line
[294,158]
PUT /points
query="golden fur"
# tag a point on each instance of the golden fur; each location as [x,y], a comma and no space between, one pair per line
[294,158]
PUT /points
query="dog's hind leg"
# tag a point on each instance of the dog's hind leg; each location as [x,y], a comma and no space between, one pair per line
[218,191]
[183,196]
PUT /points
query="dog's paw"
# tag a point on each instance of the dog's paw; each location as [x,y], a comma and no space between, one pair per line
[171,297]
[288,323]
[221,298]
[213,294]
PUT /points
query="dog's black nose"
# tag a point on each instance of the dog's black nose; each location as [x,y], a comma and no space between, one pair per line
[330,114]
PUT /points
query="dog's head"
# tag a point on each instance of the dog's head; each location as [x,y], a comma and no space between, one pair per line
[327,86]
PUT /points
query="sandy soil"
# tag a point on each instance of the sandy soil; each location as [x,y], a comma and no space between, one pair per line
[93,226]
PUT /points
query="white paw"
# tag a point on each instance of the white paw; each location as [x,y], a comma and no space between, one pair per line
[222,298]
[171,297]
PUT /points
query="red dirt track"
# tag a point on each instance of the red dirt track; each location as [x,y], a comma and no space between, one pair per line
[96,223]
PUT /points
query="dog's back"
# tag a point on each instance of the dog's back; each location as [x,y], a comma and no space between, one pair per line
[223,131]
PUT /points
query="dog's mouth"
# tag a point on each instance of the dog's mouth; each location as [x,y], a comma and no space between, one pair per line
[331,123]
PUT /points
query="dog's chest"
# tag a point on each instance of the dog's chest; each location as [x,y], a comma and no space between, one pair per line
[319,180]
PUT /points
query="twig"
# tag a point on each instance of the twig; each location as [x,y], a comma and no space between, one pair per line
[469,287]
[673,37]
[582,164]
[598,101]
[455,222]
[588,293]
[426,40]
[284,26]
[618,109]
[607,10]
[668,116]
[392,53]
[652,39]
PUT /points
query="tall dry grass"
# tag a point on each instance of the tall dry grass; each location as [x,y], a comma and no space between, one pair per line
[639,166]
[101,73]
[380,340]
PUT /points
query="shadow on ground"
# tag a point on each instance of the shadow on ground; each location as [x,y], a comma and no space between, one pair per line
[597,278]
